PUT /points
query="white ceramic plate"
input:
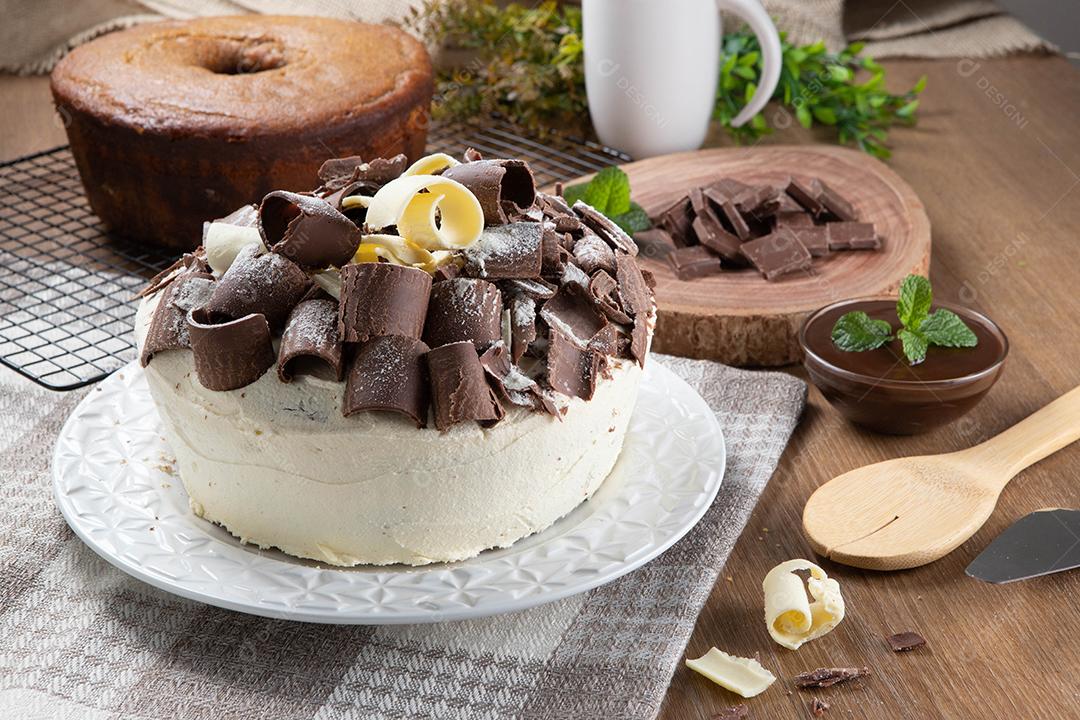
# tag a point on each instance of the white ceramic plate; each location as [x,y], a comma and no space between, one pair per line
[112,484]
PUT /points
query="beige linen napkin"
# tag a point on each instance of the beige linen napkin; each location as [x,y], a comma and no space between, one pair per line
[80,639]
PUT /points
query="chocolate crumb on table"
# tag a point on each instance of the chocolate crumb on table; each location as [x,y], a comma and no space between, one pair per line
[818,707]
[827,677]
[905,641]
[735,712]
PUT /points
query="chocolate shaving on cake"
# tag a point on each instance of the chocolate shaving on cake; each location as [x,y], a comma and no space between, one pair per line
[571,370]
[168,327]
[311,334]
[522,325]
[336,199]
[513,386]
[634,293]
[606,228]
[592,254]
[307,230]
[553,255]
[536,288]
[639,339]
[501,186]
[573,313]
[382,299]
[459,389]
[605,293]
[827,677]
[258,282]
[464,309]
[471,155]
[554,206]
[506,251]
[905,641]
[608,341]
[336,173]
[231,354]
[389,373]
[243,216]
[194,261]
[569,224]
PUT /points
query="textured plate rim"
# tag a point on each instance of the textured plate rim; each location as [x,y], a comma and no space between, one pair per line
[711,487]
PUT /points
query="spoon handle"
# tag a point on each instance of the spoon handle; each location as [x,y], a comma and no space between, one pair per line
[1042,433]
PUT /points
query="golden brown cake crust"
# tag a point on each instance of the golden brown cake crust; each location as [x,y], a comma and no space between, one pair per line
[177,122]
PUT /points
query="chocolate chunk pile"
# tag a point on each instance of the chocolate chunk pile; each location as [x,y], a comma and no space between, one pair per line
[532,313]
[777,230]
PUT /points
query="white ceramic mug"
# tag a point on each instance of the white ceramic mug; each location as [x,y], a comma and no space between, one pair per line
[651,70]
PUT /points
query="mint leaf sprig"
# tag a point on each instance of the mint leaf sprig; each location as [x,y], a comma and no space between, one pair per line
[609,193]
[920,328]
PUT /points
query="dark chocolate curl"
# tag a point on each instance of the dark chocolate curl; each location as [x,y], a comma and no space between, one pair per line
[336,173]
[501,186]
[506,251]
[603,226]
[194,261]
[311,333]
[459,390]
[633,291]
[168,328]
[258,283]
[570,369]
[573,313]
[232,354]
[639,339]
[511,385]
[592,254]
[389,373]
[244,216]
[605,293]
[308,230]
[553,255]
[464,309]
[522,325]
[382,299]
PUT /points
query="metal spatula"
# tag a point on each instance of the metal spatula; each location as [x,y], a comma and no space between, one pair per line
[1044,542]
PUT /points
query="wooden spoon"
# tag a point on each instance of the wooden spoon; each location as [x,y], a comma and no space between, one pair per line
[911,511]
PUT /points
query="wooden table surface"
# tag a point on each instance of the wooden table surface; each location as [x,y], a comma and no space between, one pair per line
[996,159]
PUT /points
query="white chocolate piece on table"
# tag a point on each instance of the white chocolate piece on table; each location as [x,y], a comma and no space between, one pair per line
[223,242]
[791,616]
[412,204]
[743,676]
[431,164]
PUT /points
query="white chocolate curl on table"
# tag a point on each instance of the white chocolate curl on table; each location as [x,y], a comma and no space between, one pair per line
[431,212]
[744,676]
[792,617]
[430,164]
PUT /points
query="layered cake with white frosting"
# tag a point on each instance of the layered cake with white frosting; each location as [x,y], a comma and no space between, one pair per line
[409,364]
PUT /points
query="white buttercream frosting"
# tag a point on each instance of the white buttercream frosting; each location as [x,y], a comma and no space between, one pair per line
[279,466]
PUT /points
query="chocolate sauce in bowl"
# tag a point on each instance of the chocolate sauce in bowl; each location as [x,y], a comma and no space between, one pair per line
[881,390]
[889,361]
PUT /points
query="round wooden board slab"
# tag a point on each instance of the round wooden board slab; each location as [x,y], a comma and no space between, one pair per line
[738,317]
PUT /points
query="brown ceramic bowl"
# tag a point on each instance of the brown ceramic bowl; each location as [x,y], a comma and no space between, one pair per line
[881,391]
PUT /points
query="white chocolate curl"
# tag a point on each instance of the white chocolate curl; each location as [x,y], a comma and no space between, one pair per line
[792,617]
[744,676]
[400,251]
[432,212]
[430,164]
[223,242]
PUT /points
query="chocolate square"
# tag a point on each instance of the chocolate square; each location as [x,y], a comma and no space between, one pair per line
[694,262]
[777,254]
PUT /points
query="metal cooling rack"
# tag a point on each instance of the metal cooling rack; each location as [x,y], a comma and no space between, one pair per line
[67,286]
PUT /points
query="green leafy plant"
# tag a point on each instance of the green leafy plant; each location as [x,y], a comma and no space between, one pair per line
[527,65]
[919,328]
[609,192]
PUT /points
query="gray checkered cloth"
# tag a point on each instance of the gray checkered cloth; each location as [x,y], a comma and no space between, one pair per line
[80,639]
